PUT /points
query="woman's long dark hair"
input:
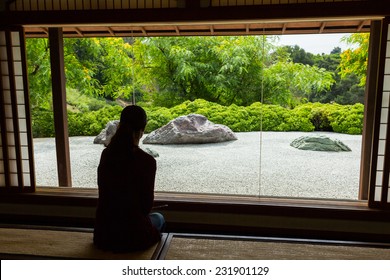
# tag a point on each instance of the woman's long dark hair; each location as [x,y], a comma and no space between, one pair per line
[133,120]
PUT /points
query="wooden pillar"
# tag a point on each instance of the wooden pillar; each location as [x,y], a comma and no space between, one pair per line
[369,112]
[59,106]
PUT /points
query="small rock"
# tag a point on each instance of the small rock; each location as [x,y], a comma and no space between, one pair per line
[152,153]
[319,143]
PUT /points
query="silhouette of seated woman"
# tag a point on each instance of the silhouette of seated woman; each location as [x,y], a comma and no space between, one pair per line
[126,176]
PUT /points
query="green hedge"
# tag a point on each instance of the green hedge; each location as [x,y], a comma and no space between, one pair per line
[79,123]
[307,117]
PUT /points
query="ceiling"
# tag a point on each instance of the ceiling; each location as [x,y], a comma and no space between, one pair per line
[273,27]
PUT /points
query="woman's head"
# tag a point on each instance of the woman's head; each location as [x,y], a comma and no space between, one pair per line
[131,127]
[133,118]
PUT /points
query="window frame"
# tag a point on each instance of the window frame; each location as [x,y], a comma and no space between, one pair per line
[63,148]
[160,198]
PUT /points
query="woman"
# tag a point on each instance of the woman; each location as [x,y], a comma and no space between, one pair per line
[126,176]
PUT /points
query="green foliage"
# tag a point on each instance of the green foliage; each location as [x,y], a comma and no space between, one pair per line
[222,78]
[78,102]
[287,83]
[224,70]
[256,117]
[91,123]
[299,55]
[346,88]
[266,117]
[355,60]
[42,123]
[347,119]
[88,123]
[319,117]
[39,72]
[167,71]
[157,117]
[298,119]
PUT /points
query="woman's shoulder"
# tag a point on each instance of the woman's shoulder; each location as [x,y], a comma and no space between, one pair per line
[146,156]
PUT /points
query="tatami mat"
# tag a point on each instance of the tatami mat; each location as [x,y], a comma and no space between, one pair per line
[21,243]
[38,243]
[182,247]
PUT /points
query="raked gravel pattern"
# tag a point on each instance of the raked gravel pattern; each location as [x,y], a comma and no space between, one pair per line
[256,164]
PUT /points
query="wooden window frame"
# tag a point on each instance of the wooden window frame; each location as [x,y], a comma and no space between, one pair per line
[62,142]
[367,143]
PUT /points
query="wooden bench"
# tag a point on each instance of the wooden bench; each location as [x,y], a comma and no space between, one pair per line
[38,243]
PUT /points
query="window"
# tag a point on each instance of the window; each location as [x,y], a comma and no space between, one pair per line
[255,165]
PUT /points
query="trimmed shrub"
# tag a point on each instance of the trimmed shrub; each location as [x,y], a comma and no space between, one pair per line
[348,119]
[42,123]
[91,123]
[256,117]
[157,117]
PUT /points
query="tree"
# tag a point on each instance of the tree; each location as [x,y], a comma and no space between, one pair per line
[355,60]
[38,71]
[288,83]
[299,55]
[220,69]
[102,66]
[93,66]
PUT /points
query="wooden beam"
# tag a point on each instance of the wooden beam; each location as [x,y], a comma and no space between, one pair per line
[323,25]
[361,25]
[177,30]
[369,109]
[144,31]
[59,106]
[212,14]
[111,31]
[79,31]
[284,28]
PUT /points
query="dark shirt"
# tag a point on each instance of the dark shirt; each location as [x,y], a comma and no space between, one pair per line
[126,193]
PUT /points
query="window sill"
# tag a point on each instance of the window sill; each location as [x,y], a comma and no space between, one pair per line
[182,202]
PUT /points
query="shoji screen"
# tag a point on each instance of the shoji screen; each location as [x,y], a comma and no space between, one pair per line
[16,155]
[379,190]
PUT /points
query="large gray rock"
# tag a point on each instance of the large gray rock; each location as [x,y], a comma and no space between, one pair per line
[106,134]
[319,143]
[191,129]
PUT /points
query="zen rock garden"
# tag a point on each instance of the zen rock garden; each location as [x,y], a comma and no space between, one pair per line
[197,129]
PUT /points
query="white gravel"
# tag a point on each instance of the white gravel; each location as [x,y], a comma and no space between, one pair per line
[256,164]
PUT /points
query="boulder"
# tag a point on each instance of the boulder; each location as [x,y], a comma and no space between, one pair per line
[106,134]
[191,129]
[319,143]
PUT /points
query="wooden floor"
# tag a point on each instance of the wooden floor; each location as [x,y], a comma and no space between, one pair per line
[57,243]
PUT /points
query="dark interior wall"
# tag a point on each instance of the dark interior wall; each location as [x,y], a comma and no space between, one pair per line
[294,222]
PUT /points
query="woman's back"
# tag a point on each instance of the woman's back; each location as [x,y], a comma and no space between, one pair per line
[126,177]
